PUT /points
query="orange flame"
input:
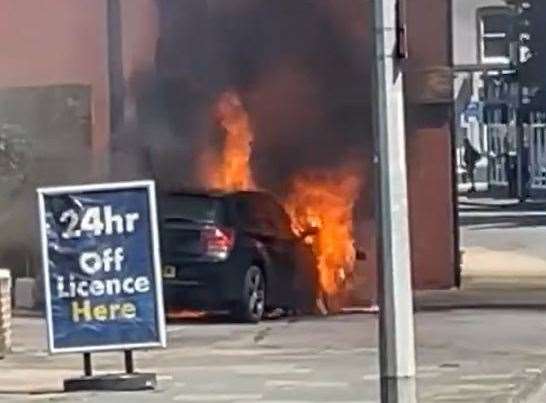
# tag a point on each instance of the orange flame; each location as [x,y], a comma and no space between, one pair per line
[231,170]
[325,201]
[321,200]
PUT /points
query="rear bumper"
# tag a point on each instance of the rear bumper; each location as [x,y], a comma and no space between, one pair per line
[188,296]
[204,285]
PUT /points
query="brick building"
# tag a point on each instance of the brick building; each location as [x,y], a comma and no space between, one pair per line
[79,78]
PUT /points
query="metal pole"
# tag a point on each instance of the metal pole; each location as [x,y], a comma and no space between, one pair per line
[87,365]
[115,65]
[129,363]
[521,187]
[396,334]
[520,148]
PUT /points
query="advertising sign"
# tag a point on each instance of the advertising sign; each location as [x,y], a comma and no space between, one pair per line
[101,261]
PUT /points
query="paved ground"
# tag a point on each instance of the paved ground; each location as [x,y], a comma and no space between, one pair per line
[463,356]
[492,353]
[503,243]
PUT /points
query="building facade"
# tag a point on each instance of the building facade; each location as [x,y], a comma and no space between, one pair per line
[485,85]
[85,88]
[56,80]
[499,94]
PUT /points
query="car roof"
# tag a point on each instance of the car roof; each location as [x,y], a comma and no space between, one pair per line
[256,195]
[223,194]
[198,192]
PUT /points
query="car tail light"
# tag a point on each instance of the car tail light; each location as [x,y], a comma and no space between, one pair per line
[218,242]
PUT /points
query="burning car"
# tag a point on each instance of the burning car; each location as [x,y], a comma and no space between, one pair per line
[234,250]
[238,248]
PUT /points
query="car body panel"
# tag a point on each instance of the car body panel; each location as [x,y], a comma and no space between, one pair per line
[261,239]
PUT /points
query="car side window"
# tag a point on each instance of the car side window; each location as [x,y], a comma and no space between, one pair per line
[268,216]
[278,219]
[262,214]
[252,217]
[286,225]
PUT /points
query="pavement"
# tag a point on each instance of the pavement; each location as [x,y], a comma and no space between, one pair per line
[502,243]
[463,356]
[482,343]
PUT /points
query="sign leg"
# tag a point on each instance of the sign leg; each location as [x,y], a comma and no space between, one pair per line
[129,363]
[87,365]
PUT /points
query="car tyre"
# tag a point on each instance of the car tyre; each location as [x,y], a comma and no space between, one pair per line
[251,307]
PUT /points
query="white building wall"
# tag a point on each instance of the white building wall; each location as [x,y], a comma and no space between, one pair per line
[465,52]
[465,29]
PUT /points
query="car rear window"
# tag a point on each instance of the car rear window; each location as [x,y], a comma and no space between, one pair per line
[192,208]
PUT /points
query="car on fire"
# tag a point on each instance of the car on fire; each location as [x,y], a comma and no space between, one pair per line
[235,251]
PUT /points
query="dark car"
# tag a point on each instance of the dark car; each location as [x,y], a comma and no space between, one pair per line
[234,251]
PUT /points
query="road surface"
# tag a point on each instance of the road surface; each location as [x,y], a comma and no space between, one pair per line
[463,356]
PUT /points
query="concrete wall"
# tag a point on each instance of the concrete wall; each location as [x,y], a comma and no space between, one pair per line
[429,151]
[66,42]
[55,86]
[58,42]
[140,31]
[465,32]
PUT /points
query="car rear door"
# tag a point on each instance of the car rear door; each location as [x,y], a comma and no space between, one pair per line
[281,246]
[259,216]
[298,273]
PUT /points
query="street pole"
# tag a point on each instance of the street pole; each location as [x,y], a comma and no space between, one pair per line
[521,185]
[115,65]
[396,334]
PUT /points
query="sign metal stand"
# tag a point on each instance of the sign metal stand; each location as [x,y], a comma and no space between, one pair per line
[128,381]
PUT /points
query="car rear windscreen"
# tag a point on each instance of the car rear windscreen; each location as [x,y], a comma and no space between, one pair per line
[191,208]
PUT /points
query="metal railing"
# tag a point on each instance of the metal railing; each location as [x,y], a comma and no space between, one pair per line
[501,140]
[535,135]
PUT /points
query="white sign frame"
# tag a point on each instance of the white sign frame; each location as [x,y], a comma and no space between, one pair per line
[149,185]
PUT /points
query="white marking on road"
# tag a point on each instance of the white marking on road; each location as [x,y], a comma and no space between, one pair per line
[485,377]
[360,350]
[468,387]
[428,375]
[501,214]
[426,368]
[454,398]
[292,357]
[280,383]
[258,351]
[265,369]
[218,397]
[315,401]
[46,396]
[269,369]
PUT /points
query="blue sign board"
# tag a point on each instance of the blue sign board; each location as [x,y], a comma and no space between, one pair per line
[475,110]
[101,262]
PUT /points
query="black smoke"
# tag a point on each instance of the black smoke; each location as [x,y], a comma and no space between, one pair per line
[302,68]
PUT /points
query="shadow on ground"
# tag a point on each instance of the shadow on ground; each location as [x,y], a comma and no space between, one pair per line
[500,222]
[499,214]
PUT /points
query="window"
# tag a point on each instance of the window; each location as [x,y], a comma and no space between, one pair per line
[260,212]
[494,35]
[278,218]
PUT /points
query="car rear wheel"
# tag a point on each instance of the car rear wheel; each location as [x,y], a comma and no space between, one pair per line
[251,307]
